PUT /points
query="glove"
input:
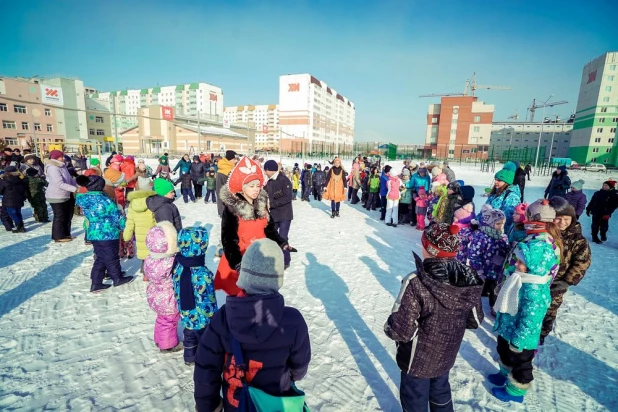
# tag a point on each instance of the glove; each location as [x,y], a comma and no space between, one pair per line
[606,217]
[588,213]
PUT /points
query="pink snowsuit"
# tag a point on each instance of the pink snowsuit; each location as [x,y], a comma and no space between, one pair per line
[421,210]
[161,242]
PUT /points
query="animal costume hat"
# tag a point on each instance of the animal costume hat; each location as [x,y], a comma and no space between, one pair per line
[245,171]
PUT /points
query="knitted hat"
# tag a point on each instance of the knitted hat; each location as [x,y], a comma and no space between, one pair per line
[540,211]
[8,150]
[245,171]
[90,172]
[31,172]
[507,174]
[196,157]
[578,184]
[467,194]
[562,207]
[406,172]
[10,169]
[261,269]
[91,183]
[562,168]
[94,162]
[230,154]
[538,256]
[422,170]
[610,183]
[129,157]
[464,213]
[56,155]
[436,171]
[163,160]
[116,159]
[162,186]
[440,240]
[491,216]
[519,213]
[392,173]
[271,166]
[28,157]
[422,191]
[455,187]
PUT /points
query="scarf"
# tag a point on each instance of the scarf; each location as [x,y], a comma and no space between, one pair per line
[491,232]
[187,298]
[535,227]
[508,298]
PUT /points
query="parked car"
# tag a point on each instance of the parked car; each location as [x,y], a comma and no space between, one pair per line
[575,166]
[595,167]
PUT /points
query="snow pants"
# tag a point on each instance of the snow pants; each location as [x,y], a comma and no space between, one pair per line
[7,222]
[39,208]
[165,331]
[417,393]
[283,228]
[187,194]
[372,200]
[404,213]
[489,290]
[106,260]
[334,206]
[15,214]
[392,211]
[355,198]
[599,224]
[420,222]
[210,192]
[306,193]
[197,188]
[557,297]
[63,214]
[190,342]
[519,363]
[382,207]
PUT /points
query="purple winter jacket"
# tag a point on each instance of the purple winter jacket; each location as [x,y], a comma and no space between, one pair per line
[275,344]
[60,182]
[578,200]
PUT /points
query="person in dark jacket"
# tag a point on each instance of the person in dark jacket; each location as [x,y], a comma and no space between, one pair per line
[108,161]
[601,206]
[36,195]
[307,178]
[32,162]
[450,175]
[18,158]
[162,204]
[319,182]
[80,162]
[198,170]
[13,189]
[186,186]
[520,179]
[528,170]
[276,347]
[574,262]
[435,305]
[211,185]
[577,198]
[384,191]
[279,189]
[184,163]
[559,184]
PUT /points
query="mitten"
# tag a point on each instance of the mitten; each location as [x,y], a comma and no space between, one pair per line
[606,217]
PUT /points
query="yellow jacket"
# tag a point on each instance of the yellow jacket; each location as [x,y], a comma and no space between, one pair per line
[225,166]
[139,221]
[295,181]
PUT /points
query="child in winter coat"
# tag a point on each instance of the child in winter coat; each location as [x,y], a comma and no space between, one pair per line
[103,224]
[438,192]
[421,201]
[211,185]
[463,218]
[436,304]
[601,206]
[373,198]
[139,221]
[295,183]
[393,195]
[443,212]
[162,204]
[158,265]
[193,287]
[186,186]
[13,189]
[406,197]
[518,232]
[271,338]
[577,198]
[521,307]
[488,249]
[36,195]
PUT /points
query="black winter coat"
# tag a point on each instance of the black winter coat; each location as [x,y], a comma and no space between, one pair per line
[198,170]
[280,198]
[308,178]
[520,179]
[13,190]
[185,181]
[558,185]
[164,210]
[319,179]
[603,202]
[80,163]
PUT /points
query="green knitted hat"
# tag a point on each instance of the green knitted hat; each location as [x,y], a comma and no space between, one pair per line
[163,186]
[94,162]
[507,174]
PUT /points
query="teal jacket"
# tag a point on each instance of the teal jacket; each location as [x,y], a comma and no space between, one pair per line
[103,220]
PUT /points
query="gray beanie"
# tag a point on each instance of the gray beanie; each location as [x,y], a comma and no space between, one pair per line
[540,211]
[261,269]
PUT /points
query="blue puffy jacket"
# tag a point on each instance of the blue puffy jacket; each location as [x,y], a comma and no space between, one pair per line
[104,221]
[419,181]
[383,182]
[505,201]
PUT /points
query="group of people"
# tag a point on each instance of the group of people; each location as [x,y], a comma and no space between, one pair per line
[522,257]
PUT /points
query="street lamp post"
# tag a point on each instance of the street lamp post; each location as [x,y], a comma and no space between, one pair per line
[538,146]
[552,140]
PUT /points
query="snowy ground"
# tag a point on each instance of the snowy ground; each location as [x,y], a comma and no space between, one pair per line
[62,348]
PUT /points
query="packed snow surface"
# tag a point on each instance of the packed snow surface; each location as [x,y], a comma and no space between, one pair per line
[62,348]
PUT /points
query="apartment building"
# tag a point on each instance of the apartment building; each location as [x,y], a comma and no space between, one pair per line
[264,118]
[510,137]
[311,109]
[460,126]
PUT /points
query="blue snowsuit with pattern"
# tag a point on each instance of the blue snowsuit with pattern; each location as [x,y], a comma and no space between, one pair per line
[505,201]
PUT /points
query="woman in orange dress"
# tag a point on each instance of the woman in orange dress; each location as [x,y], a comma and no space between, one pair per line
[335,187]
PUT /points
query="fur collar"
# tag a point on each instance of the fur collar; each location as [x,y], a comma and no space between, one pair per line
[55,162]
[241,208]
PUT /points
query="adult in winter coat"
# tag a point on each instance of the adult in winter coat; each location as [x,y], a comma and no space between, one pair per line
[59,190]
[577,198]
[224,168]
[14,189]
[575,260]
[601,206]
[319,182]
[162,248]
[450,175]
[80,162]
[528,170]
[162,204]
[245,219]
[435,305]
[108,161]
[335,187]
[198,170]
[279,189]
[184,163]
[307,184]
[36,195]
[139,220]
[32,162]
[504,195]
[520,179]
[355,183]
[275,346]
[384,190]
[559,184]
[420,179]
[128,168]
[393,195]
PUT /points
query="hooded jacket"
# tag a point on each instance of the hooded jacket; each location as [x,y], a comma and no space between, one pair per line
[505,201]
[162,248]
[275,344]
[279,192]
[139,220]
[13,188]
[61,184]
[164,209]
[450,175]
[419,181]
[128,168]
[487,252]
[576,257]
[198,170]
[603,202]
[104,221]
[558,185]
[224,169]
[183,164]
[435,305]
[577,199]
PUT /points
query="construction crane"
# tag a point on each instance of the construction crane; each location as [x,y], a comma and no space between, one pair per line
[469,89]
[515,116]
[535,106]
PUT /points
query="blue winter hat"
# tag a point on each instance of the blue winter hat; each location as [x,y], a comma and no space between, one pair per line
[271,166]
[507,174]
[538,256]
[193,241]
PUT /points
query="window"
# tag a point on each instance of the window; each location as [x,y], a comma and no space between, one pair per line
[597,140]
[606,100]
[451,152]
[595,150]
[24,125]
[599,130]
[37,127]
[3,107]
[91,132]
[476,129]
[605,160]
[612,130]
[615,119]
[50,128]
[610,78]
[10,141]
[612,67]
[20,109]
[47,112]
[453,132]
[99,119]
[593,159]
[100,132]
[6,124]
[452,141]
[477,119]
[608,150]
[454,121]
[608,88]
[603,109]
[602,120]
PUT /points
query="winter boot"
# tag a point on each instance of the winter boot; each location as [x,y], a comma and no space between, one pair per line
[332,215]
[497,379]
[603,236]
[502,394]
[124,281]
[596,239]
[99,288]
[19,229]
[176,348]
[337,213]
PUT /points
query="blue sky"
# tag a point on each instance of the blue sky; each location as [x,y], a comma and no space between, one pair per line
[380,54]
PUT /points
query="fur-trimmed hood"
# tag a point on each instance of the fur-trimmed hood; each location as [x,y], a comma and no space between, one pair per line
[237,204]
